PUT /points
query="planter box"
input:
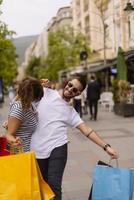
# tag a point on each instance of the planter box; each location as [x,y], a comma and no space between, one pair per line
[123,109]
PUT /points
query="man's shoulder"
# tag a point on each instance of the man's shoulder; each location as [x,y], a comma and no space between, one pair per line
[48,91]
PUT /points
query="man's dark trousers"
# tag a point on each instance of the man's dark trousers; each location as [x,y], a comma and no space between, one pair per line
[52,169]
[93,106]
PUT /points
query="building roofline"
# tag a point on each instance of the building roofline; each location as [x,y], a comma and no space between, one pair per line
[62,8]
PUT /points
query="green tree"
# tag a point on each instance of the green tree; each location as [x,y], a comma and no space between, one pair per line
[36,67]
[8,64]
[33,66]
[64,51]
[121,65]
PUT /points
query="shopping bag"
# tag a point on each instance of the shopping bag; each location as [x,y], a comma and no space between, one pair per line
[20,179]
[99,163]
[46,192]
[112,183]
[3,147]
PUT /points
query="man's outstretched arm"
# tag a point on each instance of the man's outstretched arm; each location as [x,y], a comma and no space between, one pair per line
[93,136]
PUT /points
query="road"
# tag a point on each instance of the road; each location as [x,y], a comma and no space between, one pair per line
[83,154]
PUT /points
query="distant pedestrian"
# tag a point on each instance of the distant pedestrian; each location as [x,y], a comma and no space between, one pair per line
[84,102]
[93,95]
[11,93]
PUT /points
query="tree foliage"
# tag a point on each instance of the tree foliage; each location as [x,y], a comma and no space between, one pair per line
[64,51]
[36,67]
[33,66]
[8,64]
[121,65]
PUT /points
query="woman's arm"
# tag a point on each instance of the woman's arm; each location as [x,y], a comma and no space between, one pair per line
[92,135]
[12,127]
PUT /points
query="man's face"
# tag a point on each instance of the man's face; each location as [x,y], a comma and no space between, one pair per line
[72,89]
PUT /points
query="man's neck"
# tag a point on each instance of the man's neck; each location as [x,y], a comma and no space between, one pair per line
[63,97]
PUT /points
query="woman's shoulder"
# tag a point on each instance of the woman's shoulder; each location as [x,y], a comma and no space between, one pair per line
[16,104]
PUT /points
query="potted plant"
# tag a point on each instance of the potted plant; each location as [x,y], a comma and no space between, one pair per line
[121,93]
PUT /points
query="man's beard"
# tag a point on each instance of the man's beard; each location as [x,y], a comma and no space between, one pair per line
[65,98]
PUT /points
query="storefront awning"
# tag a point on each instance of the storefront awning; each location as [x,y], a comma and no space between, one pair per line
[112,63]
[97,68]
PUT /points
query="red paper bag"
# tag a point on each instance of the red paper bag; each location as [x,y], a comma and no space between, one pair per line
[4,147]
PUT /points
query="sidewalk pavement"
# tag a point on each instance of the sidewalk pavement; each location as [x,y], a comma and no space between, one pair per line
[4,109]
[84,154]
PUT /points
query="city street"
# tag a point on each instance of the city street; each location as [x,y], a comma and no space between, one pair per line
[83,154]
[84,48]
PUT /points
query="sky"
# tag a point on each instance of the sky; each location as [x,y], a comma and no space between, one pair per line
[29,17]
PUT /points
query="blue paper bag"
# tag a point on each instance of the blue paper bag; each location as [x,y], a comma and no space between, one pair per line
[112,183]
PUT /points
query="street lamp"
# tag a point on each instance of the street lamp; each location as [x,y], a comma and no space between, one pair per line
[129,7]
[83,57]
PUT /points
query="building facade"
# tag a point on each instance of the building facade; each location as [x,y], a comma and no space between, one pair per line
[106,25]
[39,48]
[62,19]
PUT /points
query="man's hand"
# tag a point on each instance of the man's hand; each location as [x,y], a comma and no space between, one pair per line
[112,152]
[45,83]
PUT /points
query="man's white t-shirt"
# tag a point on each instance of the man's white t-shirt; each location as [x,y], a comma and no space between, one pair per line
[54,116]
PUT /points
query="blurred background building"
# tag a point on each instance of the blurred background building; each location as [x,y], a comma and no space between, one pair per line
[106,24]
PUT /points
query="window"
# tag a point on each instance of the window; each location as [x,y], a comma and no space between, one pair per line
[87,24]
[86,5]
[129,29]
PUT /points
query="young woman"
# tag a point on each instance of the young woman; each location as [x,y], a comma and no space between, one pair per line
[23,117]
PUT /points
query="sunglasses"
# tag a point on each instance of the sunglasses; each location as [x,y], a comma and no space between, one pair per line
[70,85]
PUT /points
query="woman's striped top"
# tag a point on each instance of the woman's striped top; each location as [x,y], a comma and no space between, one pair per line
[29,120]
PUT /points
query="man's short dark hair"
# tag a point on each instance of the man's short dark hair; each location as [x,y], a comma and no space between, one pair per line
[83,82]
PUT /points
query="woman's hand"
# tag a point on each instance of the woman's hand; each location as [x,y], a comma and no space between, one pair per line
[14,141]
[5,124]
[112,152]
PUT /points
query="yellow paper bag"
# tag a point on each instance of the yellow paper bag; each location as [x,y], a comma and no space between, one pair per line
[46,191]
[20,178]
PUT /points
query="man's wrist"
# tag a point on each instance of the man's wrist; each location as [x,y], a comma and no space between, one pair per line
[106,146]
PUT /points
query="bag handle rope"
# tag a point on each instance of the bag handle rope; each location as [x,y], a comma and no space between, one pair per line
[15,149]
[116,160]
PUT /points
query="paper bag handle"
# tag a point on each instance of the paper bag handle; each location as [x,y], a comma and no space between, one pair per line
[116,160]
[16,150]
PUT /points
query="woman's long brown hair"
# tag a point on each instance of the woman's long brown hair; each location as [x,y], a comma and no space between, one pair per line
[29,90]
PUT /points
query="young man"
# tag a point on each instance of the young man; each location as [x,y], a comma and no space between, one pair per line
[50,139]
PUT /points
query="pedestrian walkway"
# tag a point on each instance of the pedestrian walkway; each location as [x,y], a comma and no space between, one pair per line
[4,109]
[83,154]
